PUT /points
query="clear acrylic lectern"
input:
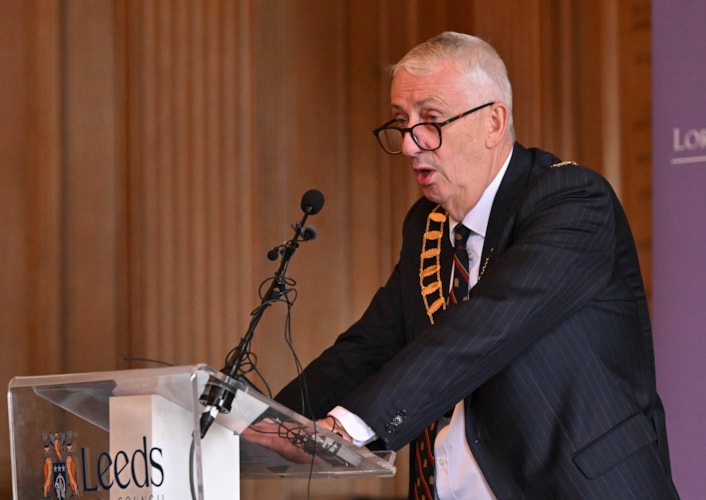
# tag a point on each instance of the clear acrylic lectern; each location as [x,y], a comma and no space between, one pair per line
[135,433]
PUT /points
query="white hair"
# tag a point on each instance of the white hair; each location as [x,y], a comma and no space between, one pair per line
[475,57]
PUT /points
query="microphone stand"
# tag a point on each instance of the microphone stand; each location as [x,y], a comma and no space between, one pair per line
[276,289]
[218,395]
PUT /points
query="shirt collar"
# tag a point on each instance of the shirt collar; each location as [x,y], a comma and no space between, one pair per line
[477,219]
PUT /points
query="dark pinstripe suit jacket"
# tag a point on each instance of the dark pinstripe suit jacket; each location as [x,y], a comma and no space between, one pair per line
[552,353]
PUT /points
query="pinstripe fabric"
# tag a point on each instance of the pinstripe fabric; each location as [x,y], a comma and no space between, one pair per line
[552,352]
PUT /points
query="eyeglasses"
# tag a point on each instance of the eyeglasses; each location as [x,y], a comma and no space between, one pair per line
[426,135]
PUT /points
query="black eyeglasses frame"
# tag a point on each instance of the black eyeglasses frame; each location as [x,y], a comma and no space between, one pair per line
[437,126]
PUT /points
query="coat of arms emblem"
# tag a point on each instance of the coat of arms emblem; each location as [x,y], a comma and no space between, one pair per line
[60,480]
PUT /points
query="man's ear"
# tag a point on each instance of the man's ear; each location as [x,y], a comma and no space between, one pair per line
[497,124]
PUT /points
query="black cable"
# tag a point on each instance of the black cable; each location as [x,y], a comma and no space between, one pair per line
[304,394]
[147,360]
[217,396]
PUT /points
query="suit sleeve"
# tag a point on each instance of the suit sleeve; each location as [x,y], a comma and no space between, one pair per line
[357,354]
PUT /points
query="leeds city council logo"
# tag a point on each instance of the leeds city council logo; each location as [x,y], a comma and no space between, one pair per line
[60,481]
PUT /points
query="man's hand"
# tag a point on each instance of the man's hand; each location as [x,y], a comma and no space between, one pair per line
[332,424]
[291,440]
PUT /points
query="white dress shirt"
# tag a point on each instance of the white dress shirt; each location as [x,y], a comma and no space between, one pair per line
[457,474]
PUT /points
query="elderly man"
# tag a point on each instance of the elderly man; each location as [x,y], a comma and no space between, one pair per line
[511,345]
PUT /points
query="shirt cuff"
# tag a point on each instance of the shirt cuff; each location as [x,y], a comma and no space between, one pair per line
[356,428]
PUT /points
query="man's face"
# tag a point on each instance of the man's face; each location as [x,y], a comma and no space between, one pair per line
[456,174]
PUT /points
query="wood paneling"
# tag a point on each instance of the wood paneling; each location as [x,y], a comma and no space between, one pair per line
[152,152]
[91,203]
[30,186]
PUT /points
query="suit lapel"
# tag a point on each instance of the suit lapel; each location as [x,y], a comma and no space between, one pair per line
[511,187]
[513,184]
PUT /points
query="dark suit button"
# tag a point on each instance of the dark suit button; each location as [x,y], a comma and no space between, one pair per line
[396,421]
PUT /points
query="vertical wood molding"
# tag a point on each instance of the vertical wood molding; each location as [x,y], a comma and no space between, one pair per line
[30,169]
[89,186]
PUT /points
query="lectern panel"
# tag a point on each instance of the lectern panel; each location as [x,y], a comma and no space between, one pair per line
[63,437]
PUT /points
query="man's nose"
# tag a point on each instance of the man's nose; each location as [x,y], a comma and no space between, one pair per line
[409,146]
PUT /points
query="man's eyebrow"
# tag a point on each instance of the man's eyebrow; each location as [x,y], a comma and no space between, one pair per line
[424,103]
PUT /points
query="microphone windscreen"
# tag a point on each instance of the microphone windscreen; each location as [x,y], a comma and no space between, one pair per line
[272,254]
[312,201]
[309,233]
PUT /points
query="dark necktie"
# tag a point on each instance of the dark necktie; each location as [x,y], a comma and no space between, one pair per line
[424,444]
[459,290]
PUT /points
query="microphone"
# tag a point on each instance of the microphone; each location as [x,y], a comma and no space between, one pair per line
[311,204]
[312,201]
[218,395]
[309,233]
[273,253]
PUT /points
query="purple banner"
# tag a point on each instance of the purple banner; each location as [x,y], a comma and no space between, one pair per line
[679,232]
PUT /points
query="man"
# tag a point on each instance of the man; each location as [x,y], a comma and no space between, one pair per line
[537,383]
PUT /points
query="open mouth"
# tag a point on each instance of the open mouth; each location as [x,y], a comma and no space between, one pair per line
[424,175]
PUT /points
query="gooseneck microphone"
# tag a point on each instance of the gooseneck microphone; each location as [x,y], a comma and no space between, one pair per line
[218,395]
[312,202]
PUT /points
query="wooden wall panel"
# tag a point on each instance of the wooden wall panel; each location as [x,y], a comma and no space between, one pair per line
[152,152]
[91,198]
[191,175]
[30,185]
